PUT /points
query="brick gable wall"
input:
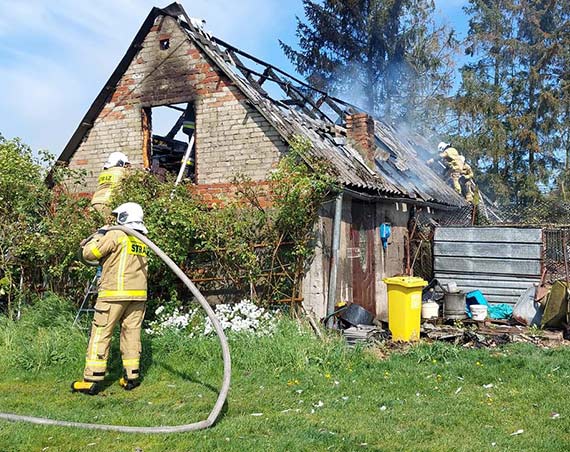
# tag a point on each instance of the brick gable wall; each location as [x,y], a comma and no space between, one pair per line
[231,136]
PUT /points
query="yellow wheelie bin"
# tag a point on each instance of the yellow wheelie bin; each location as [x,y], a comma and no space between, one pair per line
[405,307]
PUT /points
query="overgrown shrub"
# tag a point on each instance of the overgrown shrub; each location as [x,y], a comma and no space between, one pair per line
[40,228]
[255,241]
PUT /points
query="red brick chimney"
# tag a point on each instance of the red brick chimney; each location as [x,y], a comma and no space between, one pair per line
[360,131]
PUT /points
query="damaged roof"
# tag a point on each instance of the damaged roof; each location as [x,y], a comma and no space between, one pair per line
[399,171]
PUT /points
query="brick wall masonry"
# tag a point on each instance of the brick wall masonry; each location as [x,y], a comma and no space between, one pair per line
[231,136]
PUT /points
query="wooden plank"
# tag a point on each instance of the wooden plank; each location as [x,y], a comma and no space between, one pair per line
[146,119]
[492,235]
[492,266]
[503,250]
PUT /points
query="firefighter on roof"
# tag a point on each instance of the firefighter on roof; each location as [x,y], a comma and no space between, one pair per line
[468,182]
[114,170]
[121,298]
[453,163]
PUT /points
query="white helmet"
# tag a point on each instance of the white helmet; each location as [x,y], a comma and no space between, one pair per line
[442,146]
[130,214]
[116,159]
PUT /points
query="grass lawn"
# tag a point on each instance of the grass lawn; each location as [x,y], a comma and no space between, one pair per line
[290,392]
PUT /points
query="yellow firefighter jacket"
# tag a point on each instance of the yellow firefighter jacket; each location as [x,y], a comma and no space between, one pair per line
[452,159]
[108,180]
[125,266]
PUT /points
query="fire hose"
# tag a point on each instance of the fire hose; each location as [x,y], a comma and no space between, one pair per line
[211,419]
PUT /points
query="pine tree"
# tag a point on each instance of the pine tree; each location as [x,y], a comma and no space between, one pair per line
[509,108]
[386,56]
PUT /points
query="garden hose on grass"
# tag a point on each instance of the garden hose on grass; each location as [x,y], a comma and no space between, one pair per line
[161,429]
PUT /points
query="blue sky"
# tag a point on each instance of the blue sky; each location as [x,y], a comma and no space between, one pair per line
[55,55]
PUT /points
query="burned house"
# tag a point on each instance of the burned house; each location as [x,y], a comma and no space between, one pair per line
[243,126]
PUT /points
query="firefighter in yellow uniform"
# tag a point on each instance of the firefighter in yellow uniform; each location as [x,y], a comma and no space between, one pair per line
[467,176]
[121,298]
[114,170]
[453,163]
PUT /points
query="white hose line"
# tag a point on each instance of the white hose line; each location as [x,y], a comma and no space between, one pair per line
[161,429]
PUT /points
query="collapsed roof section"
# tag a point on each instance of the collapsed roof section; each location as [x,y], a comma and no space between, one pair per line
[294,108]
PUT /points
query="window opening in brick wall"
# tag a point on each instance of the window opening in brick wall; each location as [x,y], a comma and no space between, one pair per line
[171,133]
[164,44]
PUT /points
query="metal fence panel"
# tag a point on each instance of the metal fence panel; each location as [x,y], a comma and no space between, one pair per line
[505,251]
[489,235]
[501,262]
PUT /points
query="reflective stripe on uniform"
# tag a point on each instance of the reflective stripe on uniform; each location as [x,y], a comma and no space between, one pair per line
[131,362]
[96,337]
[95,251]
[122,263]
[121,293]
[96,363]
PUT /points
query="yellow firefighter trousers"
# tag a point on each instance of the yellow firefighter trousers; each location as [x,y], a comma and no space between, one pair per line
[455,176]
[107,314]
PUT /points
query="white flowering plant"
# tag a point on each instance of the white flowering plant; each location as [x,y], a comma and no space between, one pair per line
[172,318]
[242,317]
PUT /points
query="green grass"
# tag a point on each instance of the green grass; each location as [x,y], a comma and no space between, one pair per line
[290,392]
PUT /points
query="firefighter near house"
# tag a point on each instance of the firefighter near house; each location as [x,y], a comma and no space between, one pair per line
[114,171]
[122,295]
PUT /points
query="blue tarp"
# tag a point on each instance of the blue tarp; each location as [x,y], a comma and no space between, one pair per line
[494,311]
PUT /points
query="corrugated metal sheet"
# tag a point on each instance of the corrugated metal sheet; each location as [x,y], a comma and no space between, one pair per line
[407,170]
[500,262]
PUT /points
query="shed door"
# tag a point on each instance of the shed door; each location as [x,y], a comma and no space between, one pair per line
[362,244]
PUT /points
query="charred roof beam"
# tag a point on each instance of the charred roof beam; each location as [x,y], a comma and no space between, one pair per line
[330,99]
[247,73]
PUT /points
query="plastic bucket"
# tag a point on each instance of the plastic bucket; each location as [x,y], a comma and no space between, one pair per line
[454,306]
[356,315]
[430,310]
[479,312]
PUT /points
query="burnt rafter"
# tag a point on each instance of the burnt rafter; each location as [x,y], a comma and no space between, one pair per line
[174,107]
[263,76]
[180,120]
[247,73]
[294,95]
[294,88]
[284,85]
[270,73]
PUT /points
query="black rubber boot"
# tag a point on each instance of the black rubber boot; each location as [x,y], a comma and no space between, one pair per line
[85,387]
[129,385]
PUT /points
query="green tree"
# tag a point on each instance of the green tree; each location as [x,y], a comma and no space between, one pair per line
[387,56]
[508,111]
